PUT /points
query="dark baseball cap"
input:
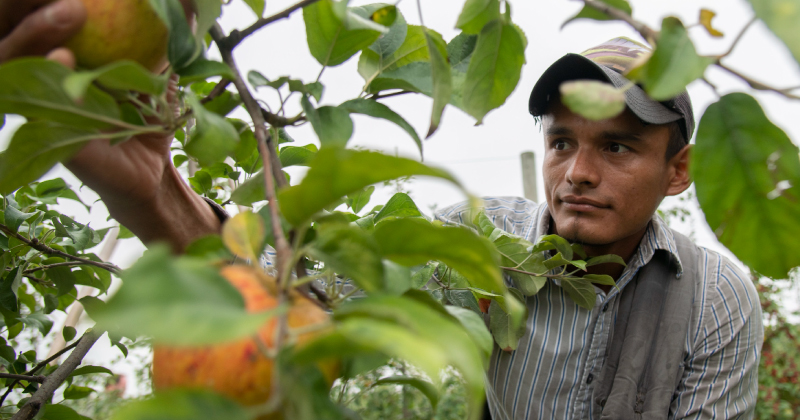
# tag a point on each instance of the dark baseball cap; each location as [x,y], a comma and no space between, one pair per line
[608,62]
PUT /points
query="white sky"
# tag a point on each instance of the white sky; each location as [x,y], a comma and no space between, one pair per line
[486,158]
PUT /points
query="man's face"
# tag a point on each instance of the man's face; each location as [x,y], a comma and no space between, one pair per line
[603,179]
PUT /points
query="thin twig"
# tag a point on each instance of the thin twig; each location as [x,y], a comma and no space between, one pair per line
[28,378]
[219,89]
[739,37]
[647,32]
[35,244]
[236,37]
[265,149]
[389,95]
[755,84]
[55,379]
[49,266]
[279,121]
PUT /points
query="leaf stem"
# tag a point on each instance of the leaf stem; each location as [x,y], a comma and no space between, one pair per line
[235,37]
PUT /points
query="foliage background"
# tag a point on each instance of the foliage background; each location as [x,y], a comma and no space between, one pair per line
[485,158]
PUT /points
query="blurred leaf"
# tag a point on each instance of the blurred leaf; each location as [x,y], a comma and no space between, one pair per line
[182,405]
[407,67]
[400,205]
[8,288]
[580,291]
[297,156]
[202,69]
[335,173]
[250,191]
[396,278]
[74,392]
[428,389]
[89,370]
[39,321]
[68,333]
[64,279]
[588,12]
[357,200]
[306,392]
[494,68]
[208,247]
[378,110]
[706,16]
[33,88]
[593,99]
[600,279]
[476,14]
[333,125]
[505,332]
[416,241]
[673,65]
[206,14]
[352,252]
[35,148]
[244,235]
[257,6]
[60,412]
[781,17]
[603,259]
[747,174]
[122,75]
[213,139]
[182,48]
[314,89]
[389,42]
[328,39]
[476,328]
[168,299]
[224,104]
[440,74]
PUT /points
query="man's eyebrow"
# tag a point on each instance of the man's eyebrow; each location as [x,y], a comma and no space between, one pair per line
[558,130]
[620,135]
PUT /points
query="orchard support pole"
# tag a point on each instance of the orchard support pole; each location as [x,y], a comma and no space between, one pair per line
[529,177]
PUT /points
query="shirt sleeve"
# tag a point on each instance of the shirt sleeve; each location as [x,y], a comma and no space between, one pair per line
[720,380]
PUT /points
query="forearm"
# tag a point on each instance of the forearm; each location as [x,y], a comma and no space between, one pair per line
[174,213]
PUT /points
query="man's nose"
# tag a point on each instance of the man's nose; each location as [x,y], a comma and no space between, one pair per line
[583,169]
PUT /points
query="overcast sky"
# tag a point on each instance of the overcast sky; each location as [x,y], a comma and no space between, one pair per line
[486,158]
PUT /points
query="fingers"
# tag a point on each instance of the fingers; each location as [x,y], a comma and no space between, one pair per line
[63,56]
[44,30]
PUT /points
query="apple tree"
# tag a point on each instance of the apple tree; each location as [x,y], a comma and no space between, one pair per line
[396,284]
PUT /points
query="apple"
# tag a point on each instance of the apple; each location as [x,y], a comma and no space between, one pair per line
[122,29]
[240,370]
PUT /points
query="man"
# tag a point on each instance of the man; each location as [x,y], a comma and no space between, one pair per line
[604,181]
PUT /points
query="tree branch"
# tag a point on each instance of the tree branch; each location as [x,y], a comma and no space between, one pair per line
[755,84]
[265,148]
[49,266]
[377,96]
[235,37]
[28,378]
[278,121]
[219,89]
[55,379]
[35,244]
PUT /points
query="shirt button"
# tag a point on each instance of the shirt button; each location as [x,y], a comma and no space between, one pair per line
[605,307]
[589,379]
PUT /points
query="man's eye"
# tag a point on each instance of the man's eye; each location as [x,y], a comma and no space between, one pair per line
[560,145]
[618,148]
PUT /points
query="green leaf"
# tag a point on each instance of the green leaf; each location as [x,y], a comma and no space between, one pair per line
[494,68]
[600,279]
[206,14]
[378,110]
[297,156]
[476,14]
[412,241]
[604,259]
[68,333]
[89,370]
[182,48]
[213,139]
[64,279]
[747,176]
[33,88]
[352,252]
[314,89]
[328,39]
[202,69]
[333,125]
[169,299]
[781,17]
[122,75]
[505,331]
[555,242]
[60,412]
[400,205]
[580,291]
[396,278]
[588,12]
[243,234]
[592,99]
[39,321]
[441,77]
[335,173]
[516,254]
[250,191]
[14,218]
[8,289]
[407,67]
[673,65]
[389,42]
[357,200]
[257,6]
[208,247]
[182,405]
[476,328]
[428,389]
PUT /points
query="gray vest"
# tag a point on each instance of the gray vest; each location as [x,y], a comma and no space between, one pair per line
[646,352]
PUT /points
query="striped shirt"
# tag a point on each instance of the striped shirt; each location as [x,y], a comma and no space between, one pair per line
[552,373]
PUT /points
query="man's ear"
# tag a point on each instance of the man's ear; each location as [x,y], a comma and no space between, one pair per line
[678,170]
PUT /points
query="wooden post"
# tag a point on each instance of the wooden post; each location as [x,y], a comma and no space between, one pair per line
[529,177]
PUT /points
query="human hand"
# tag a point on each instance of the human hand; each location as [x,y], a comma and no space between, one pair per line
[39,28]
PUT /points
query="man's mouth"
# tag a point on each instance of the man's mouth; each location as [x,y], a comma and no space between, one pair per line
[581,204]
